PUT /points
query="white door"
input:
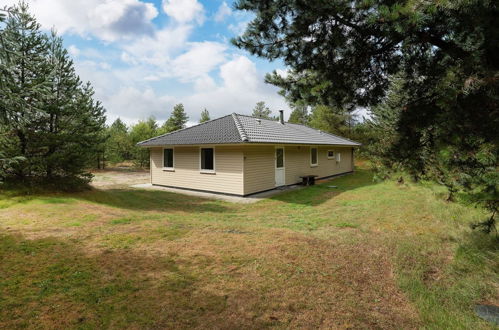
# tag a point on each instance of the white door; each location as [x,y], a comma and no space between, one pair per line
[279,167]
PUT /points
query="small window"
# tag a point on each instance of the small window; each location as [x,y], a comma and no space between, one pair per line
[207,159]
[279,158]
[313,156]
[168,158]
[330,154]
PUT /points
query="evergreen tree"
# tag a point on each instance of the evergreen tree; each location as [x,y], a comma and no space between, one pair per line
[332,120]
[141,131]
[70,124]
[119,145]
[261,111]
[24,83]
[344,53]
[50,119]
[205,116]
[299,115]
[177,120]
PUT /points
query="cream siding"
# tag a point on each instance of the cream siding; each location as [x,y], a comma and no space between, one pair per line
[259,166]
[298,162]
[228,176]
[246,169]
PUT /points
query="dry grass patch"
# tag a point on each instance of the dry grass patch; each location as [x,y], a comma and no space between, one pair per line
[361,255]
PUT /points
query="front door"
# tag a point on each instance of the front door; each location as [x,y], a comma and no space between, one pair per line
[279,167]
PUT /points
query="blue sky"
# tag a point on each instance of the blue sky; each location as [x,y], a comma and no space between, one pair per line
[142,57]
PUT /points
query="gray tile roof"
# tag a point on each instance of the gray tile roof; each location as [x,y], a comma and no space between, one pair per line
[237,128]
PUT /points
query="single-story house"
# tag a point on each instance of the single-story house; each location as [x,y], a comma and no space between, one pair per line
[243,155]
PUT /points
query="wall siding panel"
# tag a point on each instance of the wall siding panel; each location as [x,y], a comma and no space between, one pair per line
[298,162]
[228,165]
[244,170]
[259,168]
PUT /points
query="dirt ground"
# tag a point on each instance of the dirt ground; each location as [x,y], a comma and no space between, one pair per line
[119,178]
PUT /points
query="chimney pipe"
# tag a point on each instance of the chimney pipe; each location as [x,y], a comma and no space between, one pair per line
[281,116]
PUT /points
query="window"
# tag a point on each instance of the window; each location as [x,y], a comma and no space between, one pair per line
[313,156]
[168,158]
[279,158]
[207,160]
[330,154]
[338,157]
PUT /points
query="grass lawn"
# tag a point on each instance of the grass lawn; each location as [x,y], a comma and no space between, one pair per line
[362,255]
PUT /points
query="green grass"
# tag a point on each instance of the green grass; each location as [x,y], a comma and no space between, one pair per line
[362,255]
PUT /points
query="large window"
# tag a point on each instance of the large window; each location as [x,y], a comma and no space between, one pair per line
[313,157]
[168,158]
[207,160]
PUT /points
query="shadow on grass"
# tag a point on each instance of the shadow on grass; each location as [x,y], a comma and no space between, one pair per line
[151,200]
[322,192]
[131,199]
[50,283]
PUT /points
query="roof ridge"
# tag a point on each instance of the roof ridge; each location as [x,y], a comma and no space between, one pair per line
[182,129]
[239,127]
[272,120]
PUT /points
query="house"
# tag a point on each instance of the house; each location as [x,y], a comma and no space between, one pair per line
[242,155]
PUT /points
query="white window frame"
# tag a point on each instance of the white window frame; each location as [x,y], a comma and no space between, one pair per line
[338,157]
[334,154]
[317,156]
[213,171]
[171,169]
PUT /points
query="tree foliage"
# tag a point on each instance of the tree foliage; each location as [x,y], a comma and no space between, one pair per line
[50,121]
[141,131]
[177,120]
[119,146]
[205,116]
[346,53]
[299,115]
[261,111]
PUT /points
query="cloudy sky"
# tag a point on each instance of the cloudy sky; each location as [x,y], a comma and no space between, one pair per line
[142,57]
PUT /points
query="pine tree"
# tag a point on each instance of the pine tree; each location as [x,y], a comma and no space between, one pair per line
[119,145]
[24,83]
[343,54]
[205,116]
[141,131]
[261,111]
[299,115]
[177,120]
[332,120]
[50,117]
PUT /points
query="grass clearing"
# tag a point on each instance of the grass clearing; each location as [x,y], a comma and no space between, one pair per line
[359,255]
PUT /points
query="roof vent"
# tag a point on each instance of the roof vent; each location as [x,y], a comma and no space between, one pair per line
[281,116]
[258,120]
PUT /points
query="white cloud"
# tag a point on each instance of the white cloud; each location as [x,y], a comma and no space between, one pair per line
[241,87]
[222,12]
[131,104]
[200,59]
[108,20]
[184,11]
[74,51]
[238,28]
[125,93]
[204,83]
[158,49]
[138,58]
